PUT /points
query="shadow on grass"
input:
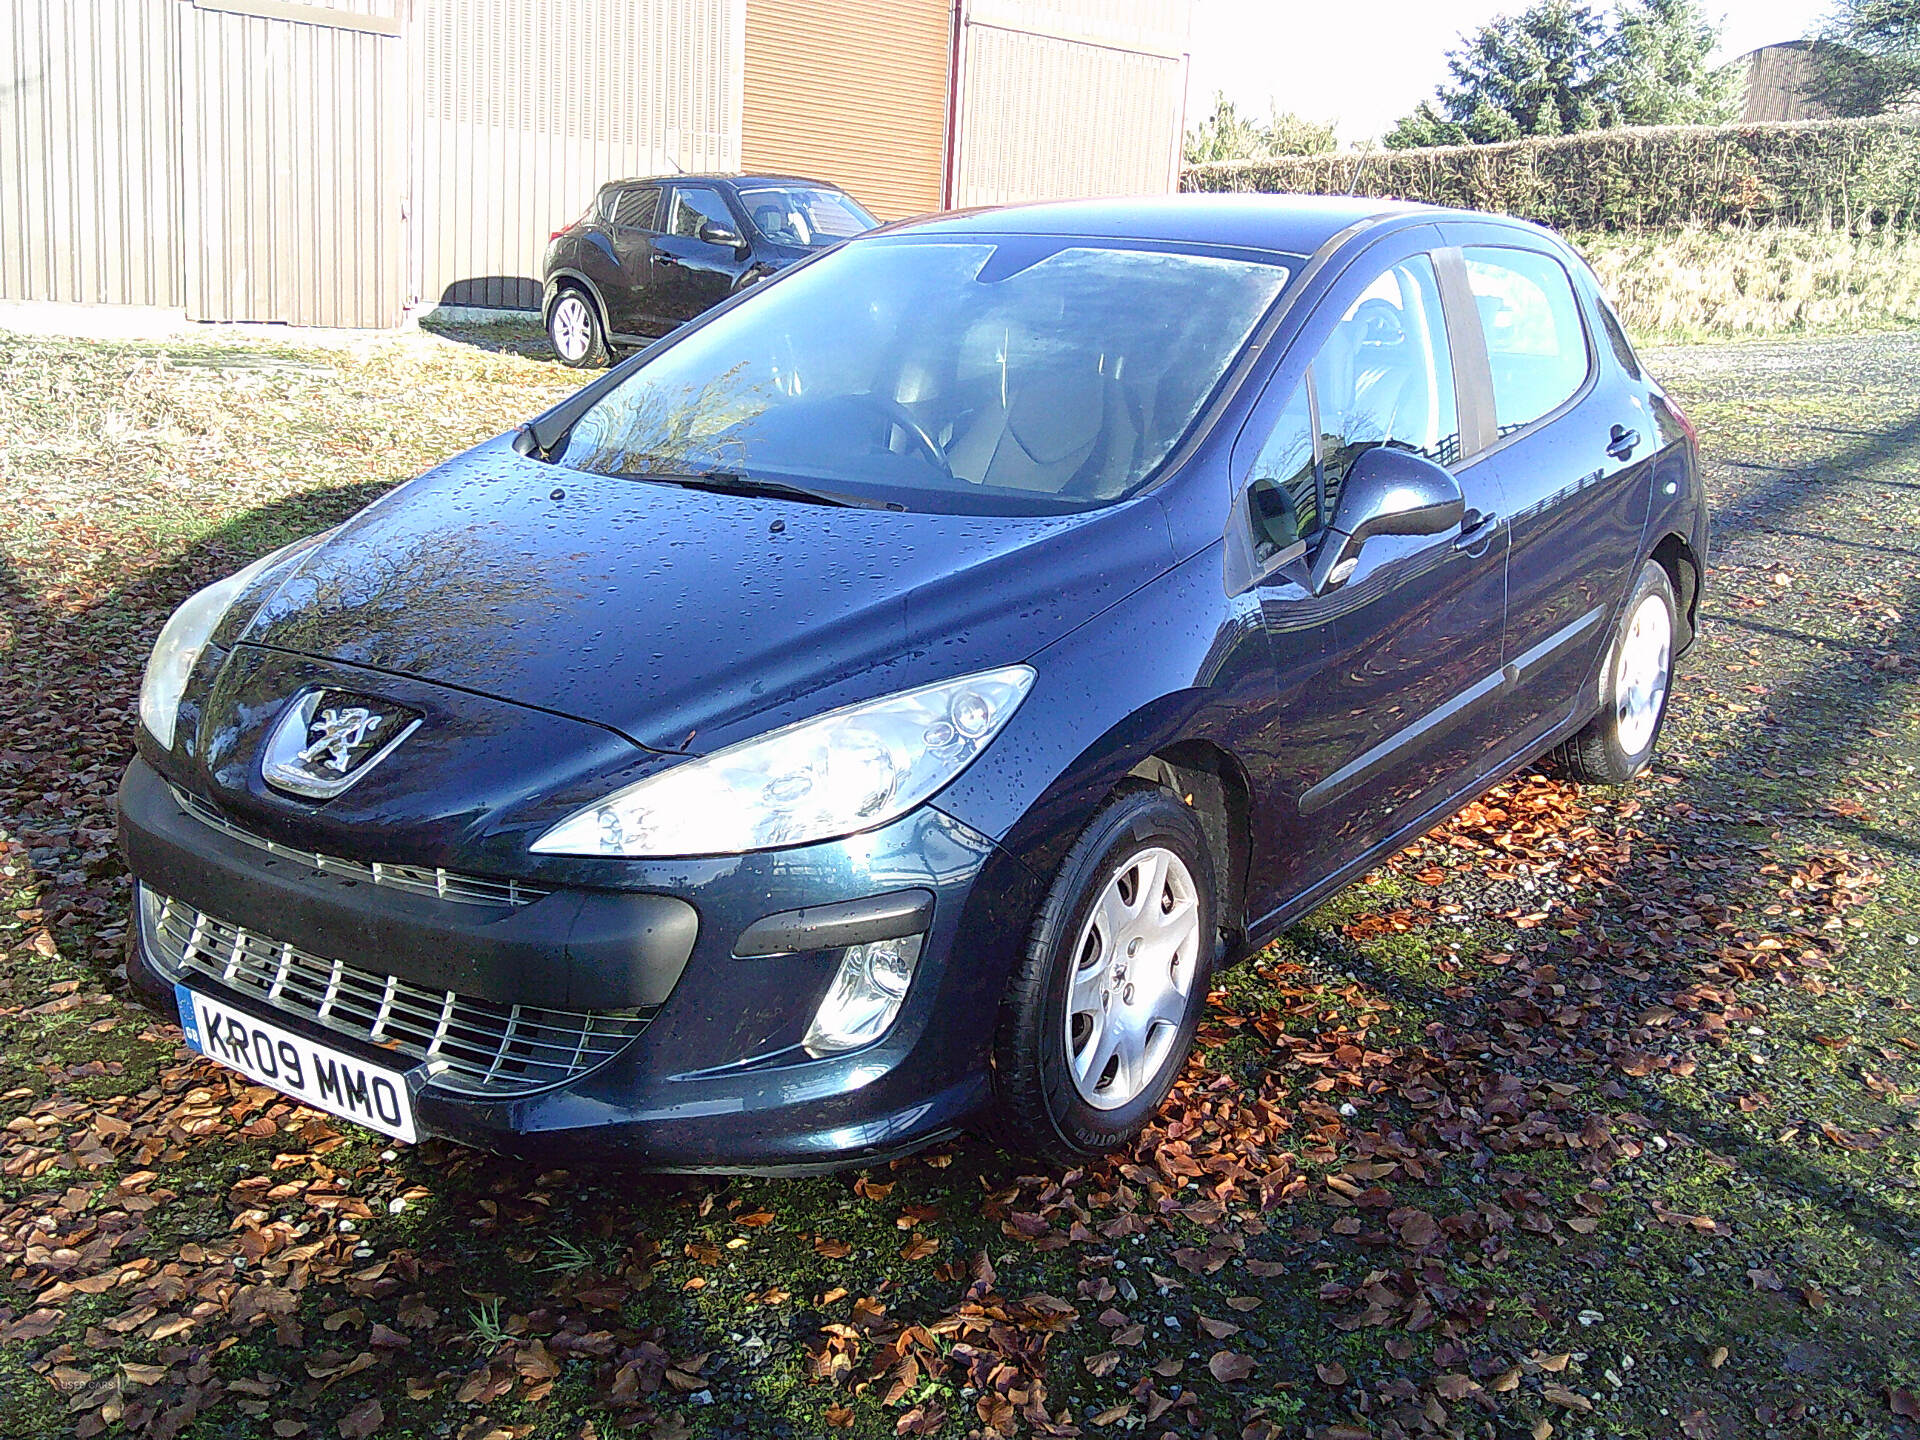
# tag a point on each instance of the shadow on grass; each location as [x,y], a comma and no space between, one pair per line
[515,333]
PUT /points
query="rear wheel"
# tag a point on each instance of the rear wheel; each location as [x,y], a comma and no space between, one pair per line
[1618,743]
[1100,1016]
[573,327]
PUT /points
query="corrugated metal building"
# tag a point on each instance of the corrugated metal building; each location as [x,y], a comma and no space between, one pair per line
[333,162]
[1782,83]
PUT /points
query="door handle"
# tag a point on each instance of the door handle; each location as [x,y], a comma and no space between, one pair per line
[659,259]
[1476,528]
[1622,442]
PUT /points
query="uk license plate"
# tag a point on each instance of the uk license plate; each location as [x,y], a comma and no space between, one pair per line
[313,1074]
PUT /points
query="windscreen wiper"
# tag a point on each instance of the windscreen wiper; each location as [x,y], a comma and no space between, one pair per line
[735,482]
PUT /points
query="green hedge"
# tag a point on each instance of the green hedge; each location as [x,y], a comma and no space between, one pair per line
[1856,174]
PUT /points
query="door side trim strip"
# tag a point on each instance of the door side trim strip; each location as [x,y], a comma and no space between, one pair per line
[1362,767]
[1523,664]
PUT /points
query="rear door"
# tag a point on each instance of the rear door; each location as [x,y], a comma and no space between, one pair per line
[1573,453]
[632,230]
[691,274]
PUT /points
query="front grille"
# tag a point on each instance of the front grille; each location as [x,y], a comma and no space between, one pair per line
[419,879]
[472,1046]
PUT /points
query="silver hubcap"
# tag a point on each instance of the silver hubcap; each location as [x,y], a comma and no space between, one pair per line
[1640,679]
[572,327]
[1134,964]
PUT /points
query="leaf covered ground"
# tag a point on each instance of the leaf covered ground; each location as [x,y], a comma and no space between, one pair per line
[1595,1113]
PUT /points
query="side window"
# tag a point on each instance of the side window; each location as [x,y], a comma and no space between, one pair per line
[1283,492]
[635,209]
[1385,377]
[1536,345]
[1617,340]
[694,208]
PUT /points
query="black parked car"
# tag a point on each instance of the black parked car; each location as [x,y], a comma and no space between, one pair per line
[651,254]
[877,709]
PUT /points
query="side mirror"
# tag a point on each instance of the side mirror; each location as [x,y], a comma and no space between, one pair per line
[714,233]
[1388,492]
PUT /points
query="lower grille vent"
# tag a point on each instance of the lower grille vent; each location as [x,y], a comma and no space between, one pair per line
[474,1046]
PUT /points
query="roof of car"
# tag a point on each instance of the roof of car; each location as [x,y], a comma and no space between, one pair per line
[1293,224]
[729,177]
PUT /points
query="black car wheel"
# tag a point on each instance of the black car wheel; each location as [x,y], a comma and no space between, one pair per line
[573,327]
[1100,1016]
[1617,743]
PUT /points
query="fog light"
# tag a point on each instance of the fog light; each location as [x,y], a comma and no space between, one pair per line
[865,995]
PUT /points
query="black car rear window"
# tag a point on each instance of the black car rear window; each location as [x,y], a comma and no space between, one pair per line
[635,208]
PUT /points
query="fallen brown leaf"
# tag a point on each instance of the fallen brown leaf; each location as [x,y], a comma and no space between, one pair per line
[1228,1367]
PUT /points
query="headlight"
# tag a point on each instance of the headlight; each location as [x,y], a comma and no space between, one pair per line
[182,639]
[843,772]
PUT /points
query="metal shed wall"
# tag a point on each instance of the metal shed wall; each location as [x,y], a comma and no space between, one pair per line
[90,185]
[852,91]
[292,139]
[523,110]
[1066,98]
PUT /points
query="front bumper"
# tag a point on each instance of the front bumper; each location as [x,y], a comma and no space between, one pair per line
[709,1074]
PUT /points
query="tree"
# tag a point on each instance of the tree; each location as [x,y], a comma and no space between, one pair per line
[1661,74]
[1870,61]
[1544,66]
[1565,65]
[1226,134]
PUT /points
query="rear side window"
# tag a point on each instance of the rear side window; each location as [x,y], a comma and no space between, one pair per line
[1617,340]
[635,209]
[1536,345]
[694,208]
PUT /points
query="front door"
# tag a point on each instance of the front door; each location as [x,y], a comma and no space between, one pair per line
[1403,708]
[692,274]
[1573,457]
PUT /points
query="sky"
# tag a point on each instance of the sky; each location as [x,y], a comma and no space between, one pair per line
[1364,63]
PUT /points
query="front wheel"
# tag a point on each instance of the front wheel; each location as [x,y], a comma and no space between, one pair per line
[1617,743]
[1100,1016]
[573,328]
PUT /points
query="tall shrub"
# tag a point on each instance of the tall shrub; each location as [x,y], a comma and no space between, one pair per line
[1854,174]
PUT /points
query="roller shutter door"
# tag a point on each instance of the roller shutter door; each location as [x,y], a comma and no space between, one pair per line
[852,91]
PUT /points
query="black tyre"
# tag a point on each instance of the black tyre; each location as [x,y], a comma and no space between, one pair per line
[1635,679]
[1099,1017]
[574,330]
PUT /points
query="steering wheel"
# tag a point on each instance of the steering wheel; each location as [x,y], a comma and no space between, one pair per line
[899,415]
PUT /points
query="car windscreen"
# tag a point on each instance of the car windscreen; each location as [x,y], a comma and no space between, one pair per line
[1011,375]
[804,215]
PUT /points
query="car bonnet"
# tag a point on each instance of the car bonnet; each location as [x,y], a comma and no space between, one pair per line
[676,617]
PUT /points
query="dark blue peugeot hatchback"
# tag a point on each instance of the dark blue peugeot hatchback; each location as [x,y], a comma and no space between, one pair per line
[877,709]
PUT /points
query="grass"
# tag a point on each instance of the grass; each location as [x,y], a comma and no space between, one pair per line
[1703,283]
[1714,963]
